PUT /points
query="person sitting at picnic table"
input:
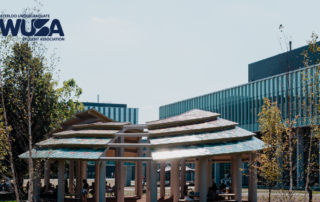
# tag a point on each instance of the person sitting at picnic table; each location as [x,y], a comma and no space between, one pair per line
[85,190]
[185,192]
[223,186]
[92,189]
[220,191]
[54,194]
[43,192]
[214,186]
[211,194]
[50,188]
[110,189]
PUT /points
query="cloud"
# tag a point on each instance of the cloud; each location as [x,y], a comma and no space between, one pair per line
[110,20]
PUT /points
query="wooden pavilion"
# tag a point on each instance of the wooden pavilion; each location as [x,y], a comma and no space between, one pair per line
[195,136]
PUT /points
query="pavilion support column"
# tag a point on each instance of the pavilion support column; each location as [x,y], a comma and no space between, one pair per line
[37,179]
[203,179]
[209,173]
[238,177]
[96,180]
[60,181]
[300,158]
[84,167]
[250,176]
[120,195]
[148,195]
[253,178]
[217,173]
[46,173]
[71,176]
[153,181]
[78,178]
[102,181]
[176,177]
[171,178]
[116,173]
[138,173]
[233,174]
[197,176]
[183,177]
[162,179]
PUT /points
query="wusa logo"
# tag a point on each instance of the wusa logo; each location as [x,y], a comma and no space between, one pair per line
[40,29]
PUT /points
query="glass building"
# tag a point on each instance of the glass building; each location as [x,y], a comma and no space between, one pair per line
[117,112]
[243,103]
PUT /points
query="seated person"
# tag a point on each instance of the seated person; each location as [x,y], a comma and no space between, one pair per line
[185,191]
[220,191]
[110,189]
[43,192]
[54,194]
[92,189]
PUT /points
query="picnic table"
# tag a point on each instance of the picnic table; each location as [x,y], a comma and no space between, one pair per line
[226,195]
[71,194]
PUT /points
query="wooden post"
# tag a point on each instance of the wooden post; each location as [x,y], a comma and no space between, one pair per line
[96,180]
[61,181]
[47,173]
[233,173]
[162,179]
[153,182]
[120,196]
[102,181]
[238,172]
[138,173]
[176,177]
[78,178]
[203,179]
[197,176]
[183,177]
[253,178]
[148,195]
[71,176]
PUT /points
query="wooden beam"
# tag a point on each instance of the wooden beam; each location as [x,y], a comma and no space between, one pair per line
[128,145]
[125,158]
[132,134]
[136,126]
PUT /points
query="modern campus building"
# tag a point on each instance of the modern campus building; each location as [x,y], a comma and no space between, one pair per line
[117,112]
[242,104]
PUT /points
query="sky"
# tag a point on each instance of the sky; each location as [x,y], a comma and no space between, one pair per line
[151,53]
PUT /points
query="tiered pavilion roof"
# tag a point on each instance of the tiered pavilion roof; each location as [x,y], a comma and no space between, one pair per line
[199,133]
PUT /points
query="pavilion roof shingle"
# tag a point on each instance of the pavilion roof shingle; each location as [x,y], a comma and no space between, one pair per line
[86,133]
[205,126]
[209,149]
[78,141]
[189,117]
[218,135]
[102,125]
[65,153]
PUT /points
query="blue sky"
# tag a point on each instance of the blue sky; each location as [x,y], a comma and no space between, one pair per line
[150,53]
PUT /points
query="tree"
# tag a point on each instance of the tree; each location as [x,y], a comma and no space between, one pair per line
[34,105]
[311,106]
[272,129]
